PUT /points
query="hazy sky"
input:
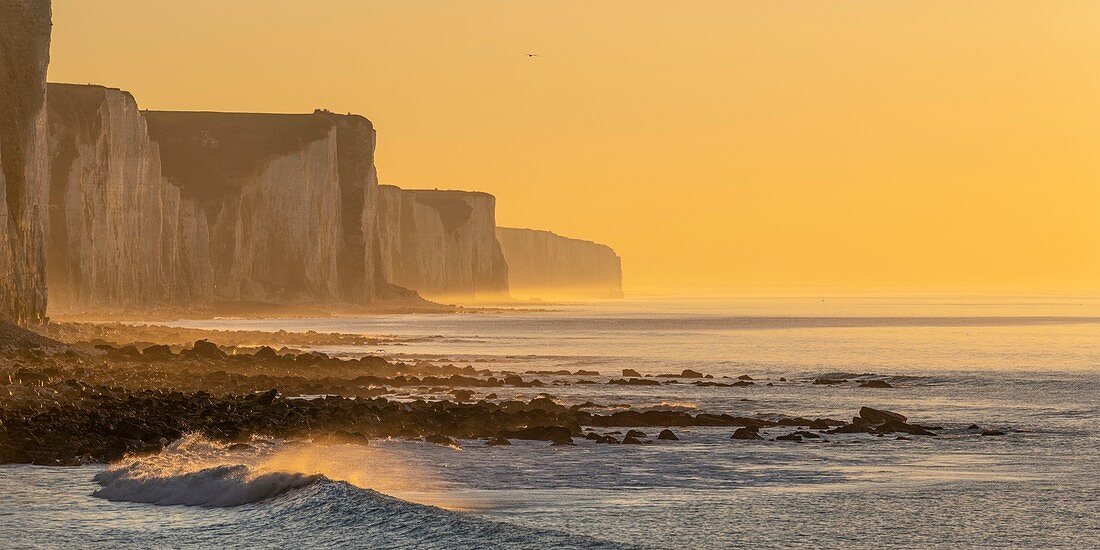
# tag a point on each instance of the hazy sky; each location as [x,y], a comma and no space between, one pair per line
[868,145]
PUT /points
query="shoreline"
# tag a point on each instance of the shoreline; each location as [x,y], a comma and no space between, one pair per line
[99,400]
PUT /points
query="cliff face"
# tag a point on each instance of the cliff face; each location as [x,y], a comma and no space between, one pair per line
[121,236]
[287,199]
[24,54]
[440,243]
[543,262]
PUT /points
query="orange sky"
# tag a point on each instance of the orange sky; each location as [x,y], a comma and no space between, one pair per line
[853,145]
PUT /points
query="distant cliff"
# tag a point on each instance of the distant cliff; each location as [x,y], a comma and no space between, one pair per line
[288,199]
[440,243]
[24,54]
[541,262]
[121,236]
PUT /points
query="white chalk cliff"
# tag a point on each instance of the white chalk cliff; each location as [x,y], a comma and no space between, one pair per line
[121,236]
[288,200]
[543,263]
[25,27]
[441,244]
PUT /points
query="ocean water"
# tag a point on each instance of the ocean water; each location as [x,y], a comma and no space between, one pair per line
[1029,366]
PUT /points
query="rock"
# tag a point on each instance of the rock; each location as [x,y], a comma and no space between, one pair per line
[781,379]
[240,447]
[631,440]
[586,373]
[902,438]
[744,377]
[636,433]
[498,441]
[539,433]
[634,382]
[789,437]
[631,373]
[462,395]
[992,432]
[875,384]
[746,432]
[828,381]
[439,439]
[879,416]
[267,397]
[667,435]
[592,436]
[688,373]
[207,350]
[973,427]
[158,353]
[265,353]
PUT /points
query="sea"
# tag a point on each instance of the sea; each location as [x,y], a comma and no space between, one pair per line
[1027,366]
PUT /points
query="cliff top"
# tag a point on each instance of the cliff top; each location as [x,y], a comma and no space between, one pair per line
[209,153]
[440,192]
[518,230]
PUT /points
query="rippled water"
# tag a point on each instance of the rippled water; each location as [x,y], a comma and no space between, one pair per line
[1029,366]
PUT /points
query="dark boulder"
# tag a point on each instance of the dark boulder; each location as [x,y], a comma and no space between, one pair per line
[633,382]
[877,416]
[746,432]
[539,433]
[158,353]
[207,350]
[875,384]
[265,353]
[266,398]
[631,373]
[667,435]
[440,439]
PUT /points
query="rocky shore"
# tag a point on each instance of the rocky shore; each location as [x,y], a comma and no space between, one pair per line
[97,401]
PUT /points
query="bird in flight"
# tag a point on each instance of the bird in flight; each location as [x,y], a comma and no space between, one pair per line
[532,55]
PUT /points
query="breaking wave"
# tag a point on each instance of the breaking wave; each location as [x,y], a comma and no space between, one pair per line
[274,503]
[219,486]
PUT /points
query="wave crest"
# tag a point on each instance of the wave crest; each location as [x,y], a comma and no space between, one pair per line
[215,487]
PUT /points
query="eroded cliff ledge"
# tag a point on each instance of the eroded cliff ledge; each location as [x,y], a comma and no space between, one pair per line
[441,243]
[543,264]
[121,236]
[24,54]
[287,198]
